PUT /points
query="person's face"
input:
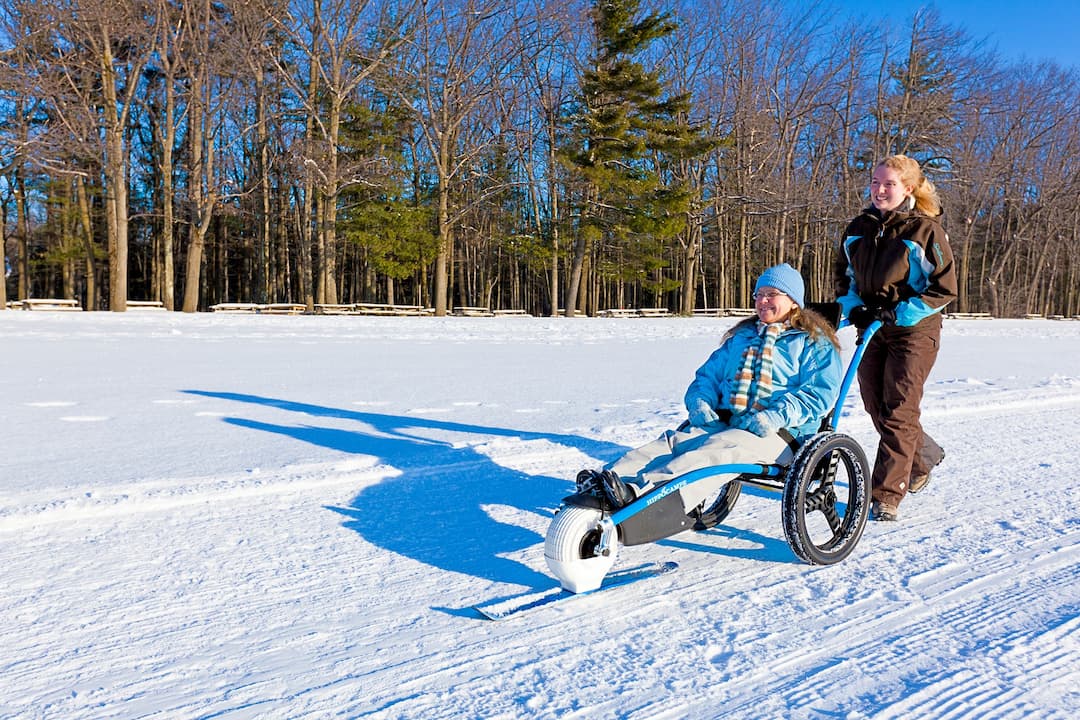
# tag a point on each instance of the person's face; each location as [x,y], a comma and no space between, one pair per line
[886,189]
[772,305]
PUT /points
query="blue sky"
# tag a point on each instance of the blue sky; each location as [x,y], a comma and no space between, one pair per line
[1031,29]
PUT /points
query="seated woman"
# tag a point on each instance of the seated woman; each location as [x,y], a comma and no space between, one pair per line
[764,391]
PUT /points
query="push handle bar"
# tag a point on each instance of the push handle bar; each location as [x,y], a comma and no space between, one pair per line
[853,367]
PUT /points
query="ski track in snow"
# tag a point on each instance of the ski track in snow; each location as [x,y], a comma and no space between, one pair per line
[335,577]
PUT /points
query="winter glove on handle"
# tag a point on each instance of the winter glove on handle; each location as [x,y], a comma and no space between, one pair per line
[861,317]
[886,316]
[702,415]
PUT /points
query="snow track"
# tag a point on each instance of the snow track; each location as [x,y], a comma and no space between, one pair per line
[24,510]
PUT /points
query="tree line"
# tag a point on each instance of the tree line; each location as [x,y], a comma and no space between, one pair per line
[548,155]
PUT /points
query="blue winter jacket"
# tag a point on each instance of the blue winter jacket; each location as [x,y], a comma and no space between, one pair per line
[806,377]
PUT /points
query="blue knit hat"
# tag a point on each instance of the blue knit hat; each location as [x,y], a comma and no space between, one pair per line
[784,278]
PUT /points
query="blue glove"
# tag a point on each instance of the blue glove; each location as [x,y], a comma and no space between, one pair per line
[762,424]
[740,421]
[702,415]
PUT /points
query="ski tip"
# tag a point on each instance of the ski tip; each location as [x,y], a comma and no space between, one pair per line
[505,609]
[483,614]
[652,568]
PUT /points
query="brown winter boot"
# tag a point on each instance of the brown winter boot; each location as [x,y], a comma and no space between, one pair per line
[884,512]
[918,482]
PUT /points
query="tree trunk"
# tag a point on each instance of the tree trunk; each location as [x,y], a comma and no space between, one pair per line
[203,195]
[88,242]
[196,233]
[442,258]
[308,206]
[3,256]
[553,193]
[582,248]
[262,238]
[573,285]
[168,260]
[116,191]
[67,239]
[691,258]
[328,226]
[22,220]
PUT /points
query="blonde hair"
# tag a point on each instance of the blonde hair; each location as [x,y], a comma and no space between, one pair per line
[924,193]
[814,324]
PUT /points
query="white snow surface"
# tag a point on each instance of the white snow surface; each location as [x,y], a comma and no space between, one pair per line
[215,516]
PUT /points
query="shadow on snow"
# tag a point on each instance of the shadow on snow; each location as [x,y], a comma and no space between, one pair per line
[433,511]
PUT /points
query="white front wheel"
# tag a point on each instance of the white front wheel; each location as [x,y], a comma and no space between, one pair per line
[570,548]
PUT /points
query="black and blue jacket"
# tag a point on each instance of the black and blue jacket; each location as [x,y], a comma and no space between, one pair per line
[898,260]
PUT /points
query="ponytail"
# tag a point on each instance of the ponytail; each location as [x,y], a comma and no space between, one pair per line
[924,193]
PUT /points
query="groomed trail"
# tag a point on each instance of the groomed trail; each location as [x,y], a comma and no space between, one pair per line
[267,517]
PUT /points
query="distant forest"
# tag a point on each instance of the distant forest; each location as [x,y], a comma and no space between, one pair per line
[552,156]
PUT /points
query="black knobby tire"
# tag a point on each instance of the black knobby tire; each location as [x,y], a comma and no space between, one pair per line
[826,498]
[713,511]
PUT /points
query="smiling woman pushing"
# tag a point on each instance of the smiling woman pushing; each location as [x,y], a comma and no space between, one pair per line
[896,266]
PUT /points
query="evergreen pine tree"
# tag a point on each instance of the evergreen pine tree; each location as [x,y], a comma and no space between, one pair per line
[623,132]
[395,230]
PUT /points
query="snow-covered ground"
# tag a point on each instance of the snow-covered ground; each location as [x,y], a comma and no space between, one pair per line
[290,517]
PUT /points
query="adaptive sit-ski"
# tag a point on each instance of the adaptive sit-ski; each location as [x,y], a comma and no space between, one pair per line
[825,503]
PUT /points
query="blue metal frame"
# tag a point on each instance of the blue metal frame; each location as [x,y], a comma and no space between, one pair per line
[757,470]
[853,366]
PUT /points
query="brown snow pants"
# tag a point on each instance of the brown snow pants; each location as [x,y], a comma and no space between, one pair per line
[892,374]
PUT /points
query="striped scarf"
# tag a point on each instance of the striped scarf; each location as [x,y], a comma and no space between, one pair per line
[754,379]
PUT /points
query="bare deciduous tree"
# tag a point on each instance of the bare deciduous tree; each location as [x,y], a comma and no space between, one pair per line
[450,69]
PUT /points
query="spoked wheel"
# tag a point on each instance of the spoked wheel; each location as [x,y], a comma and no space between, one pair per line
[571,545]
[826,498]
[717,507]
